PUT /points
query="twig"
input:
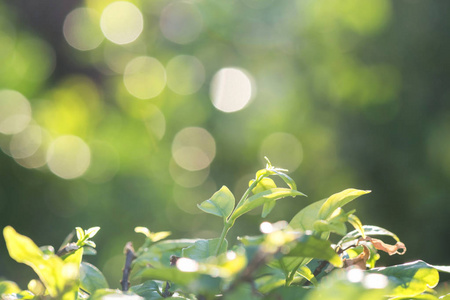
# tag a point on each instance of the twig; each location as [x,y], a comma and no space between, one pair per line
[67,249]
[129,257]
[166,293]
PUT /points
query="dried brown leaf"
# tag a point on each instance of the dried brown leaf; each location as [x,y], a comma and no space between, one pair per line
[359,261]
[389,249]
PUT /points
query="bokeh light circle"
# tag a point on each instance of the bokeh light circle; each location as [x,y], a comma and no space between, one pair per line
[181,22]
[185,178]
[185,74]
[144,77]
[193,148]
[283,149]
[121,22]
[68,157]
[26,142]
[15,112]
[39,157]
[231,89]
[81,29]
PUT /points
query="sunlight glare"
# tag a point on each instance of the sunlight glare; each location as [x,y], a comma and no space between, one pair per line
[68,157]
[26,142]
[187,265]
[121,22]
[193,148]
[144,77]
[81,29]
[375,281]
[231,89]
[15,112]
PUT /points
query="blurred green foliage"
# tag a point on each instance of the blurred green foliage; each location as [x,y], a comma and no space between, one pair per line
[127,128]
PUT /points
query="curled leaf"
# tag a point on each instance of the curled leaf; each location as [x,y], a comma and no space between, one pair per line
[144,230]
[359,261]
[389,249]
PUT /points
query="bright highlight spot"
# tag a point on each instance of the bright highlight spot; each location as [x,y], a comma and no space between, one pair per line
[15,112]
[283,149]
[375,281]
[144,77]
[81,29]
[181,22]
[231,255]
[231,90]
[68,157]
[187,265]
[185,74]
[121,22]
[26,143]
[355,275]
[266,227]
[193,148]
[39,157]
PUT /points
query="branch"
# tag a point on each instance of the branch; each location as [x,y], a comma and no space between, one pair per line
[129,257]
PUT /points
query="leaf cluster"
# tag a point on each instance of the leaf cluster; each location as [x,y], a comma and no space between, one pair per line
[289,260]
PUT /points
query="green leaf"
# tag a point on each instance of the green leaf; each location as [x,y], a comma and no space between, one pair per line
[267,208]
[356,223]
[263,185]
[49,268]
[304,219]
[148,290]
[419,297]
[334,223]
[409,279]
[171,274]
[91,278]
[203,249]
[221,203]
[242,291]
[90,244]
[91,232]
[369,230]
[306,273]
[71,271]
[325,226]
[8,287]
[157,236]
[80,233]
[339,200]
[144,230]
[309,246]
[261,198]
[115,294]
[288,180]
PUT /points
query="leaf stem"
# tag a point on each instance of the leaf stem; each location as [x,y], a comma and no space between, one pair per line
[247,192]
[226,228]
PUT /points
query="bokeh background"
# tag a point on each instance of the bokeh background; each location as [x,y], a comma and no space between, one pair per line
[129,113]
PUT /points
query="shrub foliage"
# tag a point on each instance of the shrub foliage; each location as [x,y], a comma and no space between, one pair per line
[294,260]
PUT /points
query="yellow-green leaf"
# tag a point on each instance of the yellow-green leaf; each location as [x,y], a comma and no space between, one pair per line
[48,267]
[339,200]
[221,203]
